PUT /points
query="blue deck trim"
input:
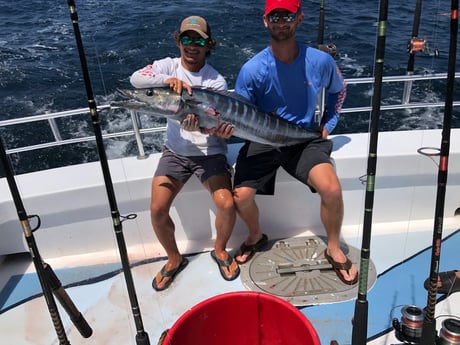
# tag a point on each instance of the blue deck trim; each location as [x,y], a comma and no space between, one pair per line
[400,285]
[24,287]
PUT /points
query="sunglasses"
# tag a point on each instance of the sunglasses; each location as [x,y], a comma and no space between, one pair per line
[198,41]
[287,16]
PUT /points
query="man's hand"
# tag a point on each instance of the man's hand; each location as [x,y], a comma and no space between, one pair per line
[177,85]
[225,130]
[191,123]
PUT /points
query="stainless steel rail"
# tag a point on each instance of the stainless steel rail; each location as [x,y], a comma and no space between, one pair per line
[137,131]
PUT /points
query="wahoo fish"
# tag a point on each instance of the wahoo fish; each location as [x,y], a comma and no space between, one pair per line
[215,107]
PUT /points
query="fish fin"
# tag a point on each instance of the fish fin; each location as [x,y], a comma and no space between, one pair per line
[226,93]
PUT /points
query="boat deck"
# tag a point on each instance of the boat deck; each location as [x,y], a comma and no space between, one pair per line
[99,292]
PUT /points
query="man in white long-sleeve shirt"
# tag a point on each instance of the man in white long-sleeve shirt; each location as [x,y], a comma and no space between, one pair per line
[189,149]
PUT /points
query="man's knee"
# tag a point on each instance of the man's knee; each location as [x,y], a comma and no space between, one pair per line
[158,212]
[225,204]
[243,196]
[330,192]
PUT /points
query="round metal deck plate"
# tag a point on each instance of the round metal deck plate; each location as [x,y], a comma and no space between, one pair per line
[296,270]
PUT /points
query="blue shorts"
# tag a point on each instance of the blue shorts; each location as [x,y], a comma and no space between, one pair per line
[181,167]
[257,164]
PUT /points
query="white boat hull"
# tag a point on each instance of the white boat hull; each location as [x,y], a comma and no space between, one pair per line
[74,209]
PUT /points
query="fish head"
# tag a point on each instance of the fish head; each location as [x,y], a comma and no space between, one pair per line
[159,101]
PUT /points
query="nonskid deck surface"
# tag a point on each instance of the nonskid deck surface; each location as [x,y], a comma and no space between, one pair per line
[399,285]
[303,275]
[106,307]
[100,294]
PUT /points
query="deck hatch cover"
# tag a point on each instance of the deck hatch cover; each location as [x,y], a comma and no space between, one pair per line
[296,270]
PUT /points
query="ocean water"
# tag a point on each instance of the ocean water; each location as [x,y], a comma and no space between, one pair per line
[40,69]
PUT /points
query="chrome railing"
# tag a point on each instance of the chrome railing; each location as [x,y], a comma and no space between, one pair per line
[137,131]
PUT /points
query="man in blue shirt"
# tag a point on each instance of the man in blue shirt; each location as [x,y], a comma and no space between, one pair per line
[286,78]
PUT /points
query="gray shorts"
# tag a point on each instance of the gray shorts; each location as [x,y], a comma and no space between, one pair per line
[181,168]
[257,164]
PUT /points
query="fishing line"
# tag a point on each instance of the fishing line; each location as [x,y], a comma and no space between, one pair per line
[414,45]
[99,66]
[133,216]
[435,35]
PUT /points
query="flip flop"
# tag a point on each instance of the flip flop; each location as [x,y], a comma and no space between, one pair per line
[169,274]
[339,266]
[450,283]
[252,248]
[225,263]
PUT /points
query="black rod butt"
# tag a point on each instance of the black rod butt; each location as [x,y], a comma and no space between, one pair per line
[142,338]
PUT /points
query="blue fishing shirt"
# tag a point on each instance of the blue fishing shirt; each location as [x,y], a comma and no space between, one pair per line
[291,90]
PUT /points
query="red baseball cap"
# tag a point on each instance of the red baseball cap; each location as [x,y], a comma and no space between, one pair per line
[289,5]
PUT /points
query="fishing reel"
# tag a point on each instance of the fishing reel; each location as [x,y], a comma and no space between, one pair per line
[449,333]
[409,328]
[417,44]
[330,48]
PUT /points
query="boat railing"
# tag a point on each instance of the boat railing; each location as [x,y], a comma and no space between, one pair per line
[137,131]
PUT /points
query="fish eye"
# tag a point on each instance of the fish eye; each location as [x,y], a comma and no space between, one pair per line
[149,92]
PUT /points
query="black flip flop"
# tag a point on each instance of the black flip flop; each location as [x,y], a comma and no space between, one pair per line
[252,248]
[169,274]
[225,263]
[450,283]
[339,266]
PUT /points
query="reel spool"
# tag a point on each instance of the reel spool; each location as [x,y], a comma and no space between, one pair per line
[409,329]
[449,333]
[417,44]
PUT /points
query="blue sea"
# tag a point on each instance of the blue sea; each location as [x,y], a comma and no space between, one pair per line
[40,70]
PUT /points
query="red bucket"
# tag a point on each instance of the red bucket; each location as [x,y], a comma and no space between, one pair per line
[242,318]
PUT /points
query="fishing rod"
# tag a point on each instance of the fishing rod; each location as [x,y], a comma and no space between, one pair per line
[360,319]
[49,282]
[321,24]
[321,46]
[64,300]
[429,322]
[331,49]
[142,337]
[413,46]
